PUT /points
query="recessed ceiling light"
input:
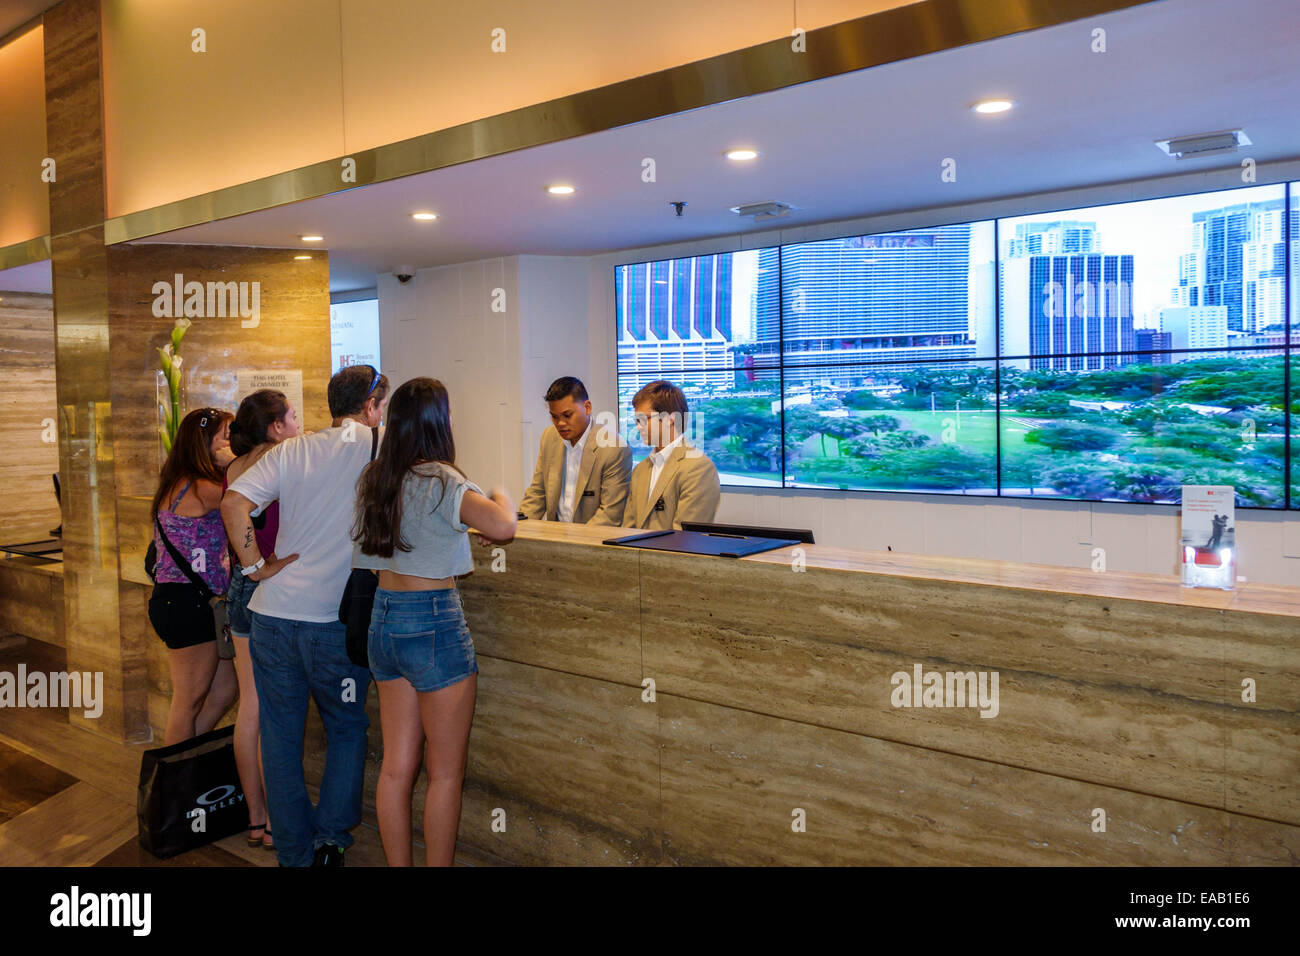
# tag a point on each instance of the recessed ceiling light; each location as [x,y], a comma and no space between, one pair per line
[312,238]
[424,216]
[560,190]
[993,106]
[741,155]
[302,257]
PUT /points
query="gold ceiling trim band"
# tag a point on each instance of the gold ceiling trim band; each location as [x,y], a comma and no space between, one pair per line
[24,253]
[901,33]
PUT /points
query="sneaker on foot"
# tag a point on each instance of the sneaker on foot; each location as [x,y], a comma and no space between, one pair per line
[327,854]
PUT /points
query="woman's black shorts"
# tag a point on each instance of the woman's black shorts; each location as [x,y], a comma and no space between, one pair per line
[180,616]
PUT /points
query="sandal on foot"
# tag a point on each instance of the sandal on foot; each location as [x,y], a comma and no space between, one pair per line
[267,833]
[252,840]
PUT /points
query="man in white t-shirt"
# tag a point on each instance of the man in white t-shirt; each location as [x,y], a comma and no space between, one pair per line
[297,643]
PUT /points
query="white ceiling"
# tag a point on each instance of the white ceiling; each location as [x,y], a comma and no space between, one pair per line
[33,277]
[854,145]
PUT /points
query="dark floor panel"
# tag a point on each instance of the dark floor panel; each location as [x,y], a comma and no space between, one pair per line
[26,781]
[38,656]
[131,853]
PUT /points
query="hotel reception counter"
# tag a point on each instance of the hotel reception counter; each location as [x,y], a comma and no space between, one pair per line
[643,707]
[772,736]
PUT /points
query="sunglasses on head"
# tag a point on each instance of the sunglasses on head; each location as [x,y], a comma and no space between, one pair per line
[374,381]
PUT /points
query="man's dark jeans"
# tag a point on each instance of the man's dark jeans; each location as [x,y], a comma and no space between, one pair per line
[291,661]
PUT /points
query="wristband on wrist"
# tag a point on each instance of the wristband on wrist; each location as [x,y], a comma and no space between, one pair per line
[253,568]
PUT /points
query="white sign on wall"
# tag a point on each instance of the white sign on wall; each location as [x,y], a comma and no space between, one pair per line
[288,381]
[354,334]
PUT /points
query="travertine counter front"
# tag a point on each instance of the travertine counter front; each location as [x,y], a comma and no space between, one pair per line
[31,598]
[773,693]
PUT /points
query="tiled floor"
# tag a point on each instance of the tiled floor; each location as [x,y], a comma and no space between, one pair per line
[131,854]
[78,826]
[26,781]
[68,796]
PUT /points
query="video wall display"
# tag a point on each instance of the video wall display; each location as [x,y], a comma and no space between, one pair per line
[1111,353]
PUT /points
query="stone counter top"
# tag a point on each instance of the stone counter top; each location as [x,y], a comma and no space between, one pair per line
[1120,585]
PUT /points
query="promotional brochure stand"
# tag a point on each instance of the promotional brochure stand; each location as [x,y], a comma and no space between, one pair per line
[1208,541]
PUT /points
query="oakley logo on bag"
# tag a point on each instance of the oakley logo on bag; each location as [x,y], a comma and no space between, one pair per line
[219,798]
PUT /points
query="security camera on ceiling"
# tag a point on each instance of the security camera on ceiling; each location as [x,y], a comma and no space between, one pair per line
[404,274]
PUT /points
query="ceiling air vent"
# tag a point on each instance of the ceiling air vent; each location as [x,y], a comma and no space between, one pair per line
[758,211]
[1206,144]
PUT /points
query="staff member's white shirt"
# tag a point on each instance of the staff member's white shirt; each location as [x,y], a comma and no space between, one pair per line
[572,465]
[315,480]
[658,459]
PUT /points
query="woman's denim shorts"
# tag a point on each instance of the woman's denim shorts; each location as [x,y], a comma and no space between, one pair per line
[422,636]
[237,595]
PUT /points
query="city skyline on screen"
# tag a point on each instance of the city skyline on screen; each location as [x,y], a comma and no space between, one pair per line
[943,359]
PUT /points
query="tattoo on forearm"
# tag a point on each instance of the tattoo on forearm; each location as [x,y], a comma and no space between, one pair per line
[248,538]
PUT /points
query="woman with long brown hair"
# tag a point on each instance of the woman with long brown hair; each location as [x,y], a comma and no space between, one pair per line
[265,418]
[186,506]
[414,509]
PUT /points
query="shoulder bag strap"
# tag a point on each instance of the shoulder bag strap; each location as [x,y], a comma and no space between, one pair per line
[374,442]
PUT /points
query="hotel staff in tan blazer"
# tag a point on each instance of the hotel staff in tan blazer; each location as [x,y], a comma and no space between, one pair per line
[677,482]
[577,479]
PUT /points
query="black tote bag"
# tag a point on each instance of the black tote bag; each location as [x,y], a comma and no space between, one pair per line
[189,794]
[354,613]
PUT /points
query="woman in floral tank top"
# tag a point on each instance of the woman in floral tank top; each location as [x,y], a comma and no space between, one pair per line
[187,507]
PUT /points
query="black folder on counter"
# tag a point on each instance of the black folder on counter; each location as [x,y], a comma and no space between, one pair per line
[702,542]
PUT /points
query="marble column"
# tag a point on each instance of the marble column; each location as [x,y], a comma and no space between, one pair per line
[83,371]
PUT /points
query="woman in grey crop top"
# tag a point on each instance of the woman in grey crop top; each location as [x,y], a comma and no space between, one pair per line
[414,511]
